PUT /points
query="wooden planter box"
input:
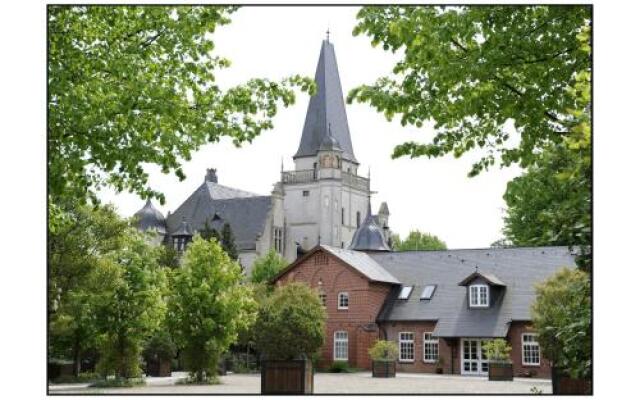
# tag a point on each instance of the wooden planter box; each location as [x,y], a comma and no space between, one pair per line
[500,371]
[286,377]
[384,369]
[159,368]
[562,383]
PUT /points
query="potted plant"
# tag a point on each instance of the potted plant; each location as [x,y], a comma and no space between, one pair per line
[291,323]
[500,366]
[384,355]
[159,352]
[440,365]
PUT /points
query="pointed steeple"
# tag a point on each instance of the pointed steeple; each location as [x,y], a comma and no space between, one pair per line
[326,108]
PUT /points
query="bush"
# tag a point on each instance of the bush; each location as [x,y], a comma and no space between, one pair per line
[160,347]
[497,350]
[562,319]
[339,366]
[384,350]
[291,323]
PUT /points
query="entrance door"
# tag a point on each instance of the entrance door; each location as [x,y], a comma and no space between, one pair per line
[474,361]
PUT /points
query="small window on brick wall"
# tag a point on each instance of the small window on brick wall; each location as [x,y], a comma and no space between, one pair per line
[530,349]
[343,301]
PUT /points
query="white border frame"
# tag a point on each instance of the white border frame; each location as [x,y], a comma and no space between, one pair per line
[424,346]
[343,307]
[334,346]
[522,350]
[479,285]
[412,341]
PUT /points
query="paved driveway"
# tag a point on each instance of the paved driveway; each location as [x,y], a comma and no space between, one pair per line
[361,382]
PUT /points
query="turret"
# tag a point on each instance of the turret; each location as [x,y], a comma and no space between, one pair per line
[369,236]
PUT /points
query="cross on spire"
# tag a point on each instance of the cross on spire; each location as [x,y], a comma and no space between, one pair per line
[328,32]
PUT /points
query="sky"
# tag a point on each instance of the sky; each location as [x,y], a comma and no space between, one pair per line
[432,195]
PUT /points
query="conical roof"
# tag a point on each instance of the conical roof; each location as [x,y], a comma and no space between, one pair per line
[149,217]
[326,108]
[369,236]
[330,143]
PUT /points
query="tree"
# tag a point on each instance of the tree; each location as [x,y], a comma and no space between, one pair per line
[132,308]
[267,267]
[475,72]
[545,209]
[208,308]
[551,203]
[168,256]
[228,241]
[79,236]
[562,318]
[160,347]
[130,85]
[291,323]
[417,240]
[208,232]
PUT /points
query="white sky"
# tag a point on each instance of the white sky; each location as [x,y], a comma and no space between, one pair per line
[432,195]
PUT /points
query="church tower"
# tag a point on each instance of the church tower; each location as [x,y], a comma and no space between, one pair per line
[325,199]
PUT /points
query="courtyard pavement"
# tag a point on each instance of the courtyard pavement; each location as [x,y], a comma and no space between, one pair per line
[360,382]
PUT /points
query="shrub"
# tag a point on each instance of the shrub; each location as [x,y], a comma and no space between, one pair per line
[339,366]
[497,350]
[160,347]
[291,323]
[384,350]
[562,319]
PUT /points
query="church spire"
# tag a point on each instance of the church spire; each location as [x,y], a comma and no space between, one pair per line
[326,108]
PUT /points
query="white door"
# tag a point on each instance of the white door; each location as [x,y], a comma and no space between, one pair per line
[474,361]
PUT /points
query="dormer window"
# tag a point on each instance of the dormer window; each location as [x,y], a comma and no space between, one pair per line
[405,292]
[479,296]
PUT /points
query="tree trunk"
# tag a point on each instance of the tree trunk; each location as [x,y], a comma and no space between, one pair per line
[76,358]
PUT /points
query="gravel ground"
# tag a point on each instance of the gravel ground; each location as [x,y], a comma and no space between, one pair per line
[361,382]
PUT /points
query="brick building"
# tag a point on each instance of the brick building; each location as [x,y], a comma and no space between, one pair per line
[439,306]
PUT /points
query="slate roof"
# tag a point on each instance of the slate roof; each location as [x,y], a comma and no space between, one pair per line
[518,268]
[245,212]
[326,108]
[369,236]
[149,217]
[363,263]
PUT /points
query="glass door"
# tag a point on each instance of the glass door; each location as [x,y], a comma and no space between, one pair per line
[474,360]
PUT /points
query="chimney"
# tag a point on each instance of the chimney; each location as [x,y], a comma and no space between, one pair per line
[211,175]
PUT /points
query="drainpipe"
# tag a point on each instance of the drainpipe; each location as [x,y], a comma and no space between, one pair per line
[452,355]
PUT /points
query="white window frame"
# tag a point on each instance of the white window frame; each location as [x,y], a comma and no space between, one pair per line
[406,341]
[534,344]
[474,299]
[434,343]
[344,341]
[340,296]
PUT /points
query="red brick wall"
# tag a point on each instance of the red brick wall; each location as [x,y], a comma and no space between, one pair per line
[419,365]
[365,300]
[514,337]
